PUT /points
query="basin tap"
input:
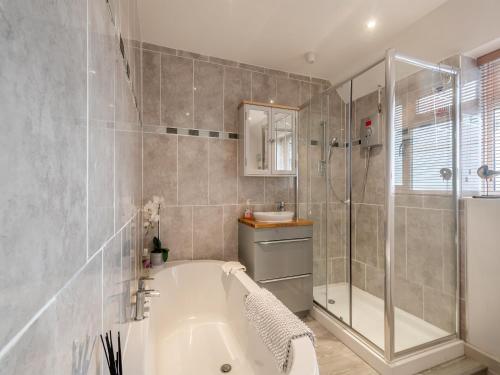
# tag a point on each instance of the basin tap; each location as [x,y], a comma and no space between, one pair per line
[280,206]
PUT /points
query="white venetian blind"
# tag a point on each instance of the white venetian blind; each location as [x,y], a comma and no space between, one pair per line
[490,113]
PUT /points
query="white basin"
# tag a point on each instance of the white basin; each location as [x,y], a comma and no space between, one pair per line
[274,217]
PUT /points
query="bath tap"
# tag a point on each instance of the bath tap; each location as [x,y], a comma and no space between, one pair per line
[141,298]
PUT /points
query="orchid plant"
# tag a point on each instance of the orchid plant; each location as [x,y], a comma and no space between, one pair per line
[151,217]
[152,213]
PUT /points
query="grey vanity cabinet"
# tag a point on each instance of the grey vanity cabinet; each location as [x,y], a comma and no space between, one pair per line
[280,260]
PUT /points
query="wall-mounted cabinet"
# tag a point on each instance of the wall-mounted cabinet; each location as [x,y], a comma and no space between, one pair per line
[267,134]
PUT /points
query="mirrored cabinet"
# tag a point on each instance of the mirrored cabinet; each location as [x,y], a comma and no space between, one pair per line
[267,134]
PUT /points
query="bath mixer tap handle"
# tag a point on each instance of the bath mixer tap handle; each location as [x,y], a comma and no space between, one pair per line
[142,282]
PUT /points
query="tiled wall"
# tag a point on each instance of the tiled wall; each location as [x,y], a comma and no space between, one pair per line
[187,93]
[71,171]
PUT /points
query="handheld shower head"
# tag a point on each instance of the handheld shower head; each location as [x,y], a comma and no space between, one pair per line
[331,144]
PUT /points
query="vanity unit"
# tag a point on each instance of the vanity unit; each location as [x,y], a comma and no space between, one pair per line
[267,139]
[279,257]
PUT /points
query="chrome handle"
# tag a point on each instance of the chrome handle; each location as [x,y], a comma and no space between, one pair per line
[285,279]
[283,241]
[142,282]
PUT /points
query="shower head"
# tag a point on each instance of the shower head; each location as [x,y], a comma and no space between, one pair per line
[331,144]
[485,173]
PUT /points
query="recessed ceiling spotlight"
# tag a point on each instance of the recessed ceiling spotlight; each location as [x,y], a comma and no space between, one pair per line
[371,23]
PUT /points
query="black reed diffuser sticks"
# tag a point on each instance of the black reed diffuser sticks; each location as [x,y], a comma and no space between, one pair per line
[115,365]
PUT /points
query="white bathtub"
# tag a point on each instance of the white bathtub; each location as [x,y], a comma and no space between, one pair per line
[198,324]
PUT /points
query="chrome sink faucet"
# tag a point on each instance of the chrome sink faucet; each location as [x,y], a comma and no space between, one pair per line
[141,295]
[280,206]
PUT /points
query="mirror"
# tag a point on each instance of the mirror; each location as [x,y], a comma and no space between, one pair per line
[257,159]
[283,141]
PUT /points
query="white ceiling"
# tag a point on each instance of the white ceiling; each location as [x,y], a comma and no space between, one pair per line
[277,33]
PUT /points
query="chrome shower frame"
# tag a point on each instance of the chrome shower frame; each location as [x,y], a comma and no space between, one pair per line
[388,352]
[391,58]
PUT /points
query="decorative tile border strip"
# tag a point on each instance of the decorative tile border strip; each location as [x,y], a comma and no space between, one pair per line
[189,132]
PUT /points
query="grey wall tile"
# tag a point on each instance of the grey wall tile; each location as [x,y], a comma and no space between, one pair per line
[101,181]
[126,115]
[237,87]
[409,200]
[251,188]
[193,170]
[319,271]
[101,55]
[409,297]
[160,167]
[358,274]
[304,92]
[438,202]
[223,171]
[137,83]
[366,234]
[208,240]
[112,284]
[263,88]
[276,189]
[288,92]
[375,281]
[424,252]
[126,277]
[231,214]
[101,82]
[177,91]
[176,232]
[208,98]
[449,253]
[50,341]
[336,237]
[127,171]
[400,241]
[151,91]
[43,159]
[337,270]
[439,309]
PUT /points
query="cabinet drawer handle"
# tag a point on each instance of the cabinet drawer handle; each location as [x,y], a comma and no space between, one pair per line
[283,241]
[284,279]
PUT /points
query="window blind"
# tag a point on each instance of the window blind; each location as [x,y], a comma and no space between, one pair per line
[490,112]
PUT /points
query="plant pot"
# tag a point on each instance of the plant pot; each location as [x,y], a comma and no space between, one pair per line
[156,259]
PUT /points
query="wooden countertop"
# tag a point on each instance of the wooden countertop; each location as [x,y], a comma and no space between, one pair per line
[264,224]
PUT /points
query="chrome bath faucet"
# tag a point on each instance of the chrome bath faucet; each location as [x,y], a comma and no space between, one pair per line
[141,295]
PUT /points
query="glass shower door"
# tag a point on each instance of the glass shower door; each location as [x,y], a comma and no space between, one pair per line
[425,212]
[337,180]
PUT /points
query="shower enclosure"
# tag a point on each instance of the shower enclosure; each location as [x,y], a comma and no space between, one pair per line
[378,174]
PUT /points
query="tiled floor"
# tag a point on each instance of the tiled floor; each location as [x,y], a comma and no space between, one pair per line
[334,357]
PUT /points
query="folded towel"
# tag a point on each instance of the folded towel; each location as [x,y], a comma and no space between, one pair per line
[276,325]
[232,267]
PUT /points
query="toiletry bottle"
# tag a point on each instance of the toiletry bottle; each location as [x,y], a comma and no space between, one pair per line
[248,211]
[146,263]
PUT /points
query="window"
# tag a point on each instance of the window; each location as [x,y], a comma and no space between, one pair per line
[399,146]
[424,135]
[431,157]
[490,113]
